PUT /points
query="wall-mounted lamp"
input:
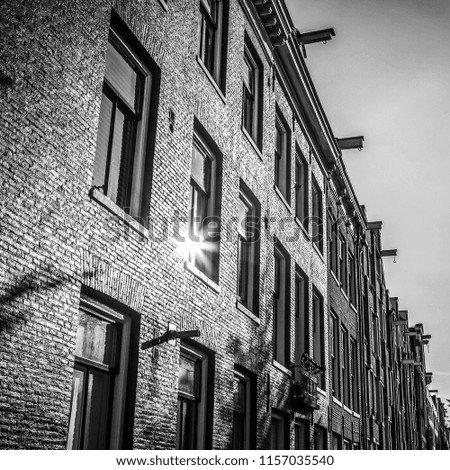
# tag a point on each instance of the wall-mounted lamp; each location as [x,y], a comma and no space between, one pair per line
[170,335]
[322,35]
[375,225]
[393,253]
[351,143]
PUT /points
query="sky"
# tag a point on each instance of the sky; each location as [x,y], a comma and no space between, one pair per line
[386,76]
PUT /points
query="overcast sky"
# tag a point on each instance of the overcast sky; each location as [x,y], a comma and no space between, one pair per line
[386,75]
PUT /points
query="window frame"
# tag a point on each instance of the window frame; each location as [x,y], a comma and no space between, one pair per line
[343,278]
[249,415]
[301,188]
[281,320]
[134,196]
[202,426]
[352,278]
[332,244]
[279,422]
[319,334]
[122,376]
[345,366]
[301,310]
[213,57]
[306,444]
[317,214]
[320,435]
[335,356]
[354,375]
[204,251]
[256,95]
[252,238]
[282,156]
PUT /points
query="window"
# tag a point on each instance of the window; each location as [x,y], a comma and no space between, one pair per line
[281,307]
[371,260]
[301,429]
[333,244]
[100,376]
[192,422]
[252,93]
[120,156]
[345,367]
[301,188]
[213,38]
[204,220]
[375,335]
[352,278]
[354,375]
[301,315]
[334,355]
[343,262]
[282,156]
[249,241]
[243,411]
[279,431]
[347,445]
[317,217]
[320,438]
[336,442]
[318,335]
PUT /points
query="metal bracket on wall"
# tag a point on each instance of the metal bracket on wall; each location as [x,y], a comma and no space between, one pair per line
[170,335]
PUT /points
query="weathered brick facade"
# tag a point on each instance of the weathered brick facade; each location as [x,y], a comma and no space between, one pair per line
[62,241]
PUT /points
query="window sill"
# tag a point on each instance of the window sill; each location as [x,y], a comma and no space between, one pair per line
[348,410]
[211,79]
[337,402]
[356,415]
[335,278]
[247,312]
[353,307]
[197,273]
[322,392]
[252,143]
[303,228]
[281,367]
[163,3]
[319,252]
[114,209]
[345,295]
[283,199]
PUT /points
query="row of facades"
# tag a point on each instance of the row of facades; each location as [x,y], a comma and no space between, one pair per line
[184,262]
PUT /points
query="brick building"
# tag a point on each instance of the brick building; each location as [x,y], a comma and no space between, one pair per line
[184,260]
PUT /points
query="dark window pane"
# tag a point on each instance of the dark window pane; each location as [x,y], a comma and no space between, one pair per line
[187,424]
[248,112]
[302,436]
[207,46]
[116,154]
[96,339]
[97,404]
[301,317]
[238,431]
[76,410]
[244,271]
[103,134]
